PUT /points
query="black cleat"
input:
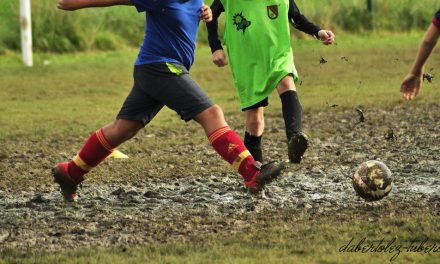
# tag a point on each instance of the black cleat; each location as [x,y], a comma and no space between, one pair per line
[268,172]
[67,184]
[297,145]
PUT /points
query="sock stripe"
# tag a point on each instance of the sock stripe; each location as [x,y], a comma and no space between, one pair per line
[81,163]
[237,162]
[103,141]
[218,133]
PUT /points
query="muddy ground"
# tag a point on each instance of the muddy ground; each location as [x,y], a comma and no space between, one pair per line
[185,200]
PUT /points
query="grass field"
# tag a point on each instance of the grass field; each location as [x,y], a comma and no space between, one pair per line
[47,111]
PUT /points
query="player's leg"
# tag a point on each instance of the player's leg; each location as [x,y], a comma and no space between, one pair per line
[137,111]
[182,94]
[97,148]
[292,111]
[254,131]
[229,146]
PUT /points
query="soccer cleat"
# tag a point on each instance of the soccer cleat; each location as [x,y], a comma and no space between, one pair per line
[267,173]
[67,185]
[296,147]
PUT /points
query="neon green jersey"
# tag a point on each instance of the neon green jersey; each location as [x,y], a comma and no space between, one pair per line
[257,36]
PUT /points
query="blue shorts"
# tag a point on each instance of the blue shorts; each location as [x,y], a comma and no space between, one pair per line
[163,84]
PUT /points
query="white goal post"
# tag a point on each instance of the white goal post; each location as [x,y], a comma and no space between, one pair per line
[26,32]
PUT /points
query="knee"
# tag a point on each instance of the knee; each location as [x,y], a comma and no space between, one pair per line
[215,112]
[121,130]
[255,123]
[286,84]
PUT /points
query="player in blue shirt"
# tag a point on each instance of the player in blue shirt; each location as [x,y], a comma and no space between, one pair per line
[161,79]
[411,84]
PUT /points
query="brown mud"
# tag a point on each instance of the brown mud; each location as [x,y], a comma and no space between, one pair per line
[192,192]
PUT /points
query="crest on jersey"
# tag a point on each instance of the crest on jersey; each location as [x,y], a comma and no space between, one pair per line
[241,22]
[272,11]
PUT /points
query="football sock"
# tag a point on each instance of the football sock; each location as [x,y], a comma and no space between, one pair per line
[291,112]
[253,144]
[93,152]
[229,145]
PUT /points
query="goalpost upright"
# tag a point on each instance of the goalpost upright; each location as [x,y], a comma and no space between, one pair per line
[26,32]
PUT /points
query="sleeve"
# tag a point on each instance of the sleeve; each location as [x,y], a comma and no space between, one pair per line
[146,5]
[300,22]
[213,39]
[436,19]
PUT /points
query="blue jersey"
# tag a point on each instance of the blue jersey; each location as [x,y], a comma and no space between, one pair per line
[171,31]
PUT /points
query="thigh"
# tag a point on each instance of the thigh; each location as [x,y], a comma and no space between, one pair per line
[139,106]
[176,89]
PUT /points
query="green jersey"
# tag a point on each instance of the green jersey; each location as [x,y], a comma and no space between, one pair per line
[257,36]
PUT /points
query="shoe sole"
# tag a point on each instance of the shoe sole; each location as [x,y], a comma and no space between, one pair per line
[299,146]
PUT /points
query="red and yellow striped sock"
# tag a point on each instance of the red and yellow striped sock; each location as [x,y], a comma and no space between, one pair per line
[93,152]
[229,145]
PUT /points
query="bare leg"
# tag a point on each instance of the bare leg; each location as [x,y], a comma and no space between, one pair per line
[255,121]
[286,84]
[211,119]
[120,131]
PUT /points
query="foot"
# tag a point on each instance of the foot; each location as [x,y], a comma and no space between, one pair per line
[67,184]
[296,147]
[267,173]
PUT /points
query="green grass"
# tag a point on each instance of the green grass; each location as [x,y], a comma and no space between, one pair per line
[306,240]
[65,97]
[75,93]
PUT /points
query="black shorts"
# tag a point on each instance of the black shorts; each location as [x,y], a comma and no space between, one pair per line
[262,103]
[159,84]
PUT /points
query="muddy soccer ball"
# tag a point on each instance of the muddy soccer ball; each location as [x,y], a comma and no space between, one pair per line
[372,180]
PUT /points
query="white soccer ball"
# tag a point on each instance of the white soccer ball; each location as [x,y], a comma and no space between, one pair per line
[372,180]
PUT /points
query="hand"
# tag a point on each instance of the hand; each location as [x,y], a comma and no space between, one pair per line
[326,36]
[219,58]
[206,13]
[410,86]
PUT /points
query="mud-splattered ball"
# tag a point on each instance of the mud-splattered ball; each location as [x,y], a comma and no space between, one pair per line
[372,180]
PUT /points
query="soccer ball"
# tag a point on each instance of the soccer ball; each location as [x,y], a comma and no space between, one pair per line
[372,180]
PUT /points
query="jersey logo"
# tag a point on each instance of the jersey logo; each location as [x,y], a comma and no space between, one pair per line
[272,11]
[241,22]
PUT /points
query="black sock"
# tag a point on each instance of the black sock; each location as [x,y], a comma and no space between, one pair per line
[291,112]
[253,144]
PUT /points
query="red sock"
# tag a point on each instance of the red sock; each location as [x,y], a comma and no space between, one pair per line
[229,145]
[93,152]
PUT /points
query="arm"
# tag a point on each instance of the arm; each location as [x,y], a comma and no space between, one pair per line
[412,83]
[78,4]
[218,55]
[300,22]
[212,27]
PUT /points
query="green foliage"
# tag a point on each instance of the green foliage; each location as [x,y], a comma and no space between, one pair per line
[353,15]
[60,31]
[111,28]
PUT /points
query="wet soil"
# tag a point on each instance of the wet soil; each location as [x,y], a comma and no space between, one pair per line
[184,191]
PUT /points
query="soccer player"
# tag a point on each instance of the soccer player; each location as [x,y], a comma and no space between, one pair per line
[257,36]
[411,84]
[161,79]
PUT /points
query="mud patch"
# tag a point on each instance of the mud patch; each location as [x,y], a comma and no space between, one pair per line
[212,198]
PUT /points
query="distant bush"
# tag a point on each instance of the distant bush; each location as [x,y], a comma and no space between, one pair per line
[116,27]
